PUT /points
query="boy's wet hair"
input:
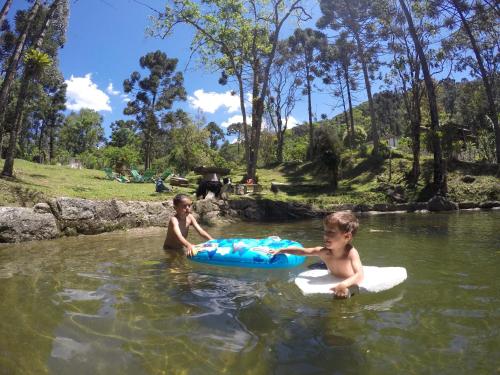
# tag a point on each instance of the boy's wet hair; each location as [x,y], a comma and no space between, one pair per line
[346,221]
[179,198]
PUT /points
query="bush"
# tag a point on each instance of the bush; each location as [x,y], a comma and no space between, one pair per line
[62,157]
[295,148]
[405,144]
[360,137]
[327,150]
[91,159]
[120,157]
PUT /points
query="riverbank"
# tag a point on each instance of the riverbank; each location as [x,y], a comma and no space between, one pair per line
[363,181]
[73,216]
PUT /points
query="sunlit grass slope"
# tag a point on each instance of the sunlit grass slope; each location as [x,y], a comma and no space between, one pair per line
[360,182]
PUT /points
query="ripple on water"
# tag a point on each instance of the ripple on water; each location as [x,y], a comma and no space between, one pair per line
[67,348]
[80,295]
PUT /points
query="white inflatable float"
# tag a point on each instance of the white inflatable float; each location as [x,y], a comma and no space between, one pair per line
[376,279]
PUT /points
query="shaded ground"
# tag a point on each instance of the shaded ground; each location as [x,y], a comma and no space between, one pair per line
[362,180]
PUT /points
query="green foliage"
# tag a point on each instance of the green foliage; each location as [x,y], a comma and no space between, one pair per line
[360,137]
[190,148]
[390,110]
[233,153]
[267,151]
[327,150]
[62,157]
[82,132]
[295,148]
[92,159]
[405,144]
[155,94]
[123,134]
[481,149]
[120,157]
[35,60]
[216,134]
[238,38]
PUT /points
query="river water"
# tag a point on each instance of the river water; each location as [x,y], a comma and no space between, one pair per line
[117,304]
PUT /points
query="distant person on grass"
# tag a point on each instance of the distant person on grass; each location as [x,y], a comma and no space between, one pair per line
[338,254]
[178,226]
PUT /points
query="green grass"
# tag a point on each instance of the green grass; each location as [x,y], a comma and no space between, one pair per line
[35,182]
[300,182]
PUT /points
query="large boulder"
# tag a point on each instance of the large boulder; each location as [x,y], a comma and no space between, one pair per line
[489,204]
[440,203]
[91,217]
[19,224]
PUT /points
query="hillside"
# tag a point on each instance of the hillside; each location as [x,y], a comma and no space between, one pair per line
[363,181]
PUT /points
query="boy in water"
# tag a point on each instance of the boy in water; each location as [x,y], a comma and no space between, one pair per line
[340,257]
[178,226]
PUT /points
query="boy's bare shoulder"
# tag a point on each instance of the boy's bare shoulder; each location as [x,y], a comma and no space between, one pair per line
[353,253]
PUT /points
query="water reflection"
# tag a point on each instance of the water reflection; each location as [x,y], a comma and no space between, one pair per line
[117,303]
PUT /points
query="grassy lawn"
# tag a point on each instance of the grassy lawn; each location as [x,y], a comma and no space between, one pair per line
[300,182]
[34,182]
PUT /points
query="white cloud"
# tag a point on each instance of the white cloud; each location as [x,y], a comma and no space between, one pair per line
[292,122]
[125,98]
[235,140]
[110,90]
[234,119]
[211,101]
[83,93]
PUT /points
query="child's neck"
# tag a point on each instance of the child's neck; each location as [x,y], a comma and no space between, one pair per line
[341,251]
[181,216]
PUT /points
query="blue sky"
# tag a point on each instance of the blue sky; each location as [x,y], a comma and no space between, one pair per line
[105,40]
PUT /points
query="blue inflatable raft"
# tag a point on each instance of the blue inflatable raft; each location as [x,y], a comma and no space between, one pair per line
[247,252]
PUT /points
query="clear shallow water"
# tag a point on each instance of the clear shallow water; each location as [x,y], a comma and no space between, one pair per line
[116,304]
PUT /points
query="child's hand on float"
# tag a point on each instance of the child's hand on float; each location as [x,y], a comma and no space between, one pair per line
[340,291]
[190,250]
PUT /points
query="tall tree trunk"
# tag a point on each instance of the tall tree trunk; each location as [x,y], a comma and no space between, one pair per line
[41,153]
[52,137]
[411,100]
[309,113]
[415,119]
[439,169]
[8,167]
[26,79]
[346,118]
[488,86]
[5,10]
[244,115]
[349,101]
[279,134]
[147,146]
[368,86]
[1,140]
[261,76]
[257,113]
[14,61]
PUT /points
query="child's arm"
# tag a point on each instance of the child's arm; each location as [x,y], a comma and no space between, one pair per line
[199,229]
[304,251]
[180,237]
[341,290]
